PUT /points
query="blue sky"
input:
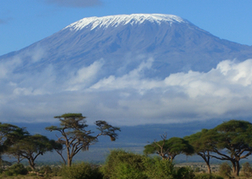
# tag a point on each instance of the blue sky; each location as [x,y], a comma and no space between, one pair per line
[25,22]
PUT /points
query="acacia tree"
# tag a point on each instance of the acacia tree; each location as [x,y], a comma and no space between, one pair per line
[169,149]
[203,143]
[233,142]
[30,147]
[75,136]
[9,135]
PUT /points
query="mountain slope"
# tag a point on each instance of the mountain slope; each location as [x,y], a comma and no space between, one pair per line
[128,70]
[126,40]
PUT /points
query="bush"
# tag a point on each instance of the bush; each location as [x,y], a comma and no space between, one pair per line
[247,170]
[56,171]
[119,161]
[124,165]
[81,171]
[225,170]
[126,171]
[207,176]
[197,169]
[16,169]
[157,168]
[184,173]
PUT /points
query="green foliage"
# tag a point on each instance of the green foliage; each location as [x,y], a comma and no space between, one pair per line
[119,161]
[207,176]
[30,147]
[184,173]
[81,171]
[168,149]
[157,168]
[126,171]
[56,171]
[16,169]
[124,165]
[247,170]
[225,170]
[70,115]
[46,170]
[197,169]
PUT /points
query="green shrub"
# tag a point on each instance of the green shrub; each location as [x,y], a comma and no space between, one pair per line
[16,169]
[81,171]
[247,170]
[225,170]
[119,161]
[184,173]
[197,169]
[126,171]
[45,169]
[207,176]
[127,165]
[56,171]
[157,168]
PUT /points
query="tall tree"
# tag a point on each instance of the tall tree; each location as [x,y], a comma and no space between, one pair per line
[75,136]
[169,149]
[234,142]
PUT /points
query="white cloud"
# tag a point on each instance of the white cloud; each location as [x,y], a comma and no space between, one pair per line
[130,99]
[84,76]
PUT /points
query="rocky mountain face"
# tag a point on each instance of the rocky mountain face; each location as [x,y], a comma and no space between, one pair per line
[123,42]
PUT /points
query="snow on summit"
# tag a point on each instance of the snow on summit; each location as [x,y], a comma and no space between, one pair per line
[115,20]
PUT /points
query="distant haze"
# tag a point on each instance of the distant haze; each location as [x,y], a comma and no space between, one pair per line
[129,70]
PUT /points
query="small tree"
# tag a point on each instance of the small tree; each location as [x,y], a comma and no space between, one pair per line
[202,143]
[169,149]
[9,135]
[233,142]
[75,136]
[31,147]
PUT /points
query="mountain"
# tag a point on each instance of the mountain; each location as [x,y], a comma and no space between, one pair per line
[128,70]
[122,42]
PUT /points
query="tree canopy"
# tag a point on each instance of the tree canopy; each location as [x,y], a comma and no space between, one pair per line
[169,149]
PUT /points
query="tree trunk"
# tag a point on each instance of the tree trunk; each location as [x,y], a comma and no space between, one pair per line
[18,159]
[69,158]
[69,161]
[233,166]
[237,168]
[208,167]
[206,158]
[32,164]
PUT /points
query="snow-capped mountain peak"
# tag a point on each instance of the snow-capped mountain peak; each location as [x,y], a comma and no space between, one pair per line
[114,21]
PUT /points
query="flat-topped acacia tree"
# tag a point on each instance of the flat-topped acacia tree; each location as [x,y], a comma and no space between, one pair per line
[233,142]
[32,146]
[75,136]
[169,149]
[17,142]
[203,143]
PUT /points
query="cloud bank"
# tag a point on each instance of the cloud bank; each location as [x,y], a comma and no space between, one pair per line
[130,99]
[75,3]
